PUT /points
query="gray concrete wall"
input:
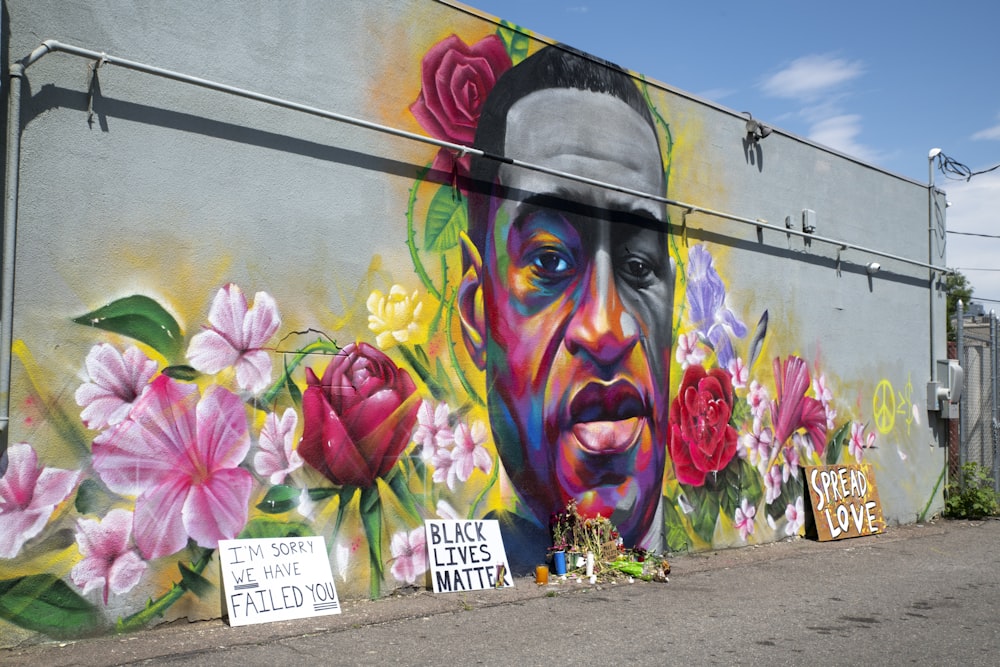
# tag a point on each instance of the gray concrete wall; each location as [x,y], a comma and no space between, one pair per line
[153,188]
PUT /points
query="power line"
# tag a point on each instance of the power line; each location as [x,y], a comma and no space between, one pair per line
[985,236]
[955,170]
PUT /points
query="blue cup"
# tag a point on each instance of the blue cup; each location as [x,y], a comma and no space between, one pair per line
[559,562]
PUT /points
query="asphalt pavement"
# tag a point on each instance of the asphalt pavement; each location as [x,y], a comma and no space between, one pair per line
[918,594]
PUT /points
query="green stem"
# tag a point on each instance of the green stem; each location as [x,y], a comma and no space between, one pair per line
[312,348]
[159,607]
[482,494]
[411,234]
[436,322]
[927,507]
[454,358]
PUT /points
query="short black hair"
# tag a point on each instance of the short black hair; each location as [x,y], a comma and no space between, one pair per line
[554,66]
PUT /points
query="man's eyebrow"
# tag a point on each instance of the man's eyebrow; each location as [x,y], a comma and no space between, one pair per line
[564,201]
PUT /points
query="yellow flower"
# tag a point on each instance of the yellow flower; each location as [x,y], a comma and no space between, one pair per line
[396,318]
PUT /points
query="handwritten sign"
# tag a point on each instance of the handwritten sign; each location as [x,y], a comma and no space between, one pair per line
[466,555]
[277,579]
[844,501]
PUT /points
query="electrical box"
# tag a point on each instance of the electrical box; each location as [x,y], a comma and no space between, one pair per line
[808,221]
[945,393]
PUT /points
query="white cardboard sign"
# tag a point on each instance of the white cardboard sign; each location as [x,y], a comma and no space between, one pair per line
[277,579]
[466,555]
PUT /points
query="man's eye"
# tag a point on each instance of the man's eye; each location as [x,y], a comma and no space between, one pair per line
[551,262]
[637,268]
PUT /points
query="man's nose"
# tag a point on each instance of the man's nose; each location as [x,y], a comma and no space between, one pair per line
[600,327]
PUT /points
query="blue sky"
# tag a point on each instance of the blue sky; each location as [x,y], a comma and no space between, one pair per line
[882,80]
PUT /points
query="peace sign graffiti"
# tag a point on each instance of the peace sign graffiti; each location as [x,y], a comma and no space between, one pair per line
[884,407]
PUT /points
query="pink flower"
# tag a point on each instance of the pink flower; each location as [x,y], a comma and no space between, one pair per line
[859,441]
[822,390]
[276,458]
[758,399]
[109,561]
[740,373]
[28,497]
[790,468]
[446,511]
[795,515]
[772,484]
[236,337]
[745,514]
[181,456]
[456,79]
[409,555]
[116,380]
[759,445]
[433,431]
[456,464]
[793,410]
[689,350]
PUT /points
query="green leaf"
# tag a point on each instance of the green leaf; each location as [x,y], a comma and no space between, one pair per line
[676,535]
[836,444]
[141,318]
[91,497]
[705,516]
[751,482]
[44,603]
[446,219]
[268,528]
[181,372]
[293,389]
[371,518]
[194,582]
[279,499]
[322,493]
[515,41]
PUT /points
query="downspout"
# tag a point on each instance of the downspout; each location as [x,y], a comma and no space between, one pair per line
[934,152]
[11,186]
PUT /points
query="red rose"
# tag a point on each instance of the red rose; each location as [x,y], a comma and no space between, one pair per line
[701,440]
[359,417]
[456,78]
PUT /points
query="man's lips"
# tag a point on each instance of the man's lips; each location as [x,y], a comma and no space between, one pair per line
[607,419]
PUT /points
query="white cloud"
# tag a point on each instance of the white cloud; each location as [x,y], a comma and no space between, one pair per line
[578,9]
[818,84]
[988,133]
[973,209]
[841,133]
[810,77]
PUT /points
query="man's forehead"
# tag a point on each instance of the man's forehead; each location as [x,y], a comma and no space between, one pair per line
[594,135]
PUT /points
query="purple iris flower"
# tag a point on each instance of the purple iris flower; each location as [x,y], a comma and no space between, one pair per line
[706,295]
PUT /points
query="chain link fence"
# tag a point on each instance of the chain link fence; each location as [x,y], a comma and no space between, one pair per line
[979,414]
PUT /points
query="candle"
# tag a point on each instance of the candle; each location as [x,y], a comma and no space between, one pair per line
[541,574]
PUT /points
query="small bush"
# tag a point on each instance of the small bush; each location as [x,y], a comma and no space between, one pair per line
[973,496]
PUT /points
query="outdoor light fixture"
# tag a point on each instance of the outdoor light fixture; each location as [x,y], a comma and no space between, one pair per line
[756,130]
[873,268]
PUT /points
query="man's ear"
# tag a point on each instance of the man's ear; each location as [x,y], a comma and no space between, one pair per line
[470,303]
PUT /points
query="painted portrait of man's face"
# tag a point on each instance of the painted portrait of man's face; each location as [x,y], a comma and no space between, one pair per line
[567,307]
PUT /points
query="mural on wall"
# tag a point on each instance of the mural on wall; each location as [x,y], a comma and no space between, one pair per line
[552,343]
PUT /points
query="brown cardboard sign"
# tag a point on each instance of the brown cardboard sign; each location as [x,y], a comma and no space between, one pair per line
[844,501]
